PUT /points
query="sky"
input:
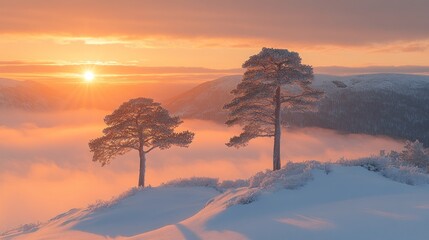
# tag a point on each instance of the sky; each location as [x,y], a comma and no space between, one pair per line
[183,41]
[159,49]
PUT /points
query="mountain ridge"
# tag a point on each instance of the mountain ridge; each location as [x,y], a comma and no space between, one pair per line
[394,105]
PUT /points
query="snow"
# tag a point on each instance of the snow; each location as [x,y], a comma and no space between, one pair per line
[346,203]
[395,169]
[308,200]
[400,83]
[138,210]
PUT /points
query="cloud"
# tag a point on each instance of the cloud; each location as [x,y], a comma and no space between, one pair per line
[51,67]
[317,22]
[109,72]
[406,47]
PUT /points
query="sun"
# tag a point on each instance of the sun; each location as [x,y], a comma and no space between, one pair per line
[88,76]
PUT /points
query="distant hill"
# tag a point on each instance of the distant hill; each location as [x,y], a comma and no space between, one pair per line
[27,95]
[395,105]
[35,96]
[206,100]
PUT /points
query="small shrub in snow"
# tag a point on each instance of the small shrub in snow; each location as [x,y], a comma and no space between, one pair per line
[193,182]
[69,212]
[292,176]
[100,204]
[415,154]
[391,166]
[327,168]
[233,184]
[206,182]
[406,174]
[248,197]
[374,164]
[25,228]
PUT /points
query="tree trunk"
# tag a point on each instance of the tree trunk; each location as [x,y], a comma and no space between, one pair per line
[142,155]
[277,131]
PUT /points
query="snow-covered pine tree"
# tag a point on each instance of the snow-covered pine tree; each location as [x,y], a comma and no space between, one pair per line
[140,124]
[274,78]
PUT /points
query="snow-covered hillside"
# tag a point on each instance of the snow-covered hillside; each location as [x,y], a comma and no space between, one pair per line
[400,83]
[394,105]
[206,100]
[302,201]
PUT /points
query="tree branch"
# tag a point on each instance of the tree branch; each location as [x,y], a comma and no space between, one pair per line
[150,149]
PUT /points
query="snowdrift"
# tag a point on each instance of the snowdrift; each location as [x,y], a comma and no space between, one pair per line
[365,199]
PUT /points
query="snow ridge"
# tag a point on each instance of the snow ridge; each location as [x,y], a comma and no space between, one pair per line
[291,176]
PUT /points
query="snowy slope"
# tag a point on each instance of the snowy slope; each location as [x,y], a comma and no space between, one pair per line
[313,201]
[134,212]
[400,83]
[348,203]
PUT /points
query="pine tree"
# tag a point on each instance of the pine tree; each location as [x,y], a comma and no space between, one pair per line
[274,78]
[140,124]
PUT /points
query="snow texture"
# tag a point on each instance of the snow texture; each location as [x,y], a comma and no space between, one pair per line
[369,198]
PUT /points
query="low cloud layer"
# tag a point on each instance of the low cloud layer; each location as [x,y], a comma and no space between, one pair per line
[46,167]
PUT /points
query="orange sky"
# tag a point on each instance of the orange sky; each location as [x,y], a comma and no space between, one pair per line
[131,35]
